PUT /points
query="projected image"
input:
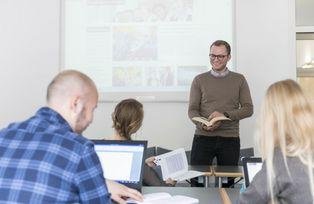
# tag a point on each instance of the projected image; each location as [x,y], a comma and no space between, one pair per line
[187,73]
[125,16]
[134,43]
[143,46]
[157,11]
[159,76]
[181,10]
[126,76]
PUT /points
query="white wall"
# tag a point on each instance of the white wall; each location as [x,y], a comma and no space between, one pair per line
[265,31]
[29,58]
[29,55]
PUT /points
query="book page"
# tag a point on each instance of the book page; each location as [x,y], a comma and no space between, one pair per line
[218,118]
[164,198]
[148,198]
[201,120]
[173,163]
[184,199]
[178,199]
[205,121]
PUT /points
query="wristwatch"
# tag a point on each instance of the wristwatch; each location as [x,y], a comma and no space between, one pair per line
[226,114]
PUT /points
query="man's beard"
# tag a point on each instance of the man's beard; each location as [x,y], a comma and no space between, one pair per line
[80,125]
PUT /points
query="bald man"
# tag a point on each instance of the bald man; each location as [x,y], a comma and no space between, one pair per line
[45,159]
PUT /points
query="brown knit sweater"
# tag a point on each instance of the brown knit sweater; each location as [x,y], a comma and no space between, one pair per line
[229,94]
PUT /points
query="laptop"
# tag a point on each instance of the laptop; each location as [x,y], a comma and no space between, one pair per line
[122,161]
[251,165]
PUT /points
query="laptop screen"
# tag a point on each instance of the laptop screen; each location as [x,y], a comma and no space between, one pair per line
[122,161]
[251,165]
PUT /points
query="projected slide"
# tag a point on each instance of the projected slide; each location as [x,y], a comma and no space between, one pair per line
[143,45]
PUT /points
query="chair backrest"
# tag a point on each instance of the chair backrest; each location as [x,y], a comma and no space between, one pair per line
[150,151]
[160,150]
[245,152]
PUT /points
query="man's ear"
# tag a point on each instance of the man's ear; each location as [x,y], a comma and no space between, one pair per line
[229,57]
[77,104]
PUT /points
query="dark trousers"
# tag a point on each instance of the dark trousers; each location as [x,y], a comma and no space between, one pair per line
[225,149]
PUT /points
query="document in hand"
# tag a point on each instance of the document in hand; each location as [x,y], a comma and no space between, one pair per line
[209,123]
[174,165]
[165,198]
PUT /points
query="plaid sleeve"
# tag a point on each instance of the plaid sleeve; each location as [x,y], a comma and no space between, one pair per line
[89,179]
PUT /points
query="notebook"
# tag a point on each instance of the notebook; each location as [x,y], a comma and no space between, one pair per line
[251,165]
[122,161]
[174,165]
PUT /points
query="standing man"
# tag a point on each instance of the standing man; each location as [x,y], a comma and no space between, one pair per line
[45,159]
[215,93]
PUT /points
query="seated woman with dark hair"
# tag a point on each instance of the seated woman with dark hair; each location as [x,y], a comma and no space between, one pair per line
[127,119]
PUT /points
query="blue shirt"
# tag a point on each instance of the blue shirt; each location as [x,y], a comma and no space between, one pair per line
[43,161]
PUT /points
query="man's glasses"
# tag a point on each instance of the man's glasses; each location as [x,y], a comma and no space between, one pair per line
[219,57]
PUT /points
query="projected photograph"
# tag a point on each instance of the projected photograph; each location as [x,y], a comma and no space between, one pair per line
[126,76]
[140,46]
[156,11]
[159,76]
[186,74]
[131,43]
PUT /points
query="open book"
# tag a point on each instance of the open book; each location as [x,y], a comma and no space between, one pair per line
[165,198]
[174,165]
[209,123]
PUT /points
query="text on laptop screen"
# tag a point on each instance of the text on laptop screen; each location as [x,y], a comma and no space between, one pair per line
[121,162]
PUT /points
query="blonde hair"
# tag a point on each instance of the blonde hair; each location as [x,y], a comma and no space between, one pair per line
[286,122]
[127,117]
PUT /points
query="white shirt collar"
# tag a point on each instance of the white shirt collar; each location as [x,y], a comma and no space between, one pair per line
[219,74]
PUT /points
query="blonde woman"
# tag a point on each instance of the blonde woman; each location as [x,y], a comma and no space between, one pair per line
[286,138]
[127,119]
